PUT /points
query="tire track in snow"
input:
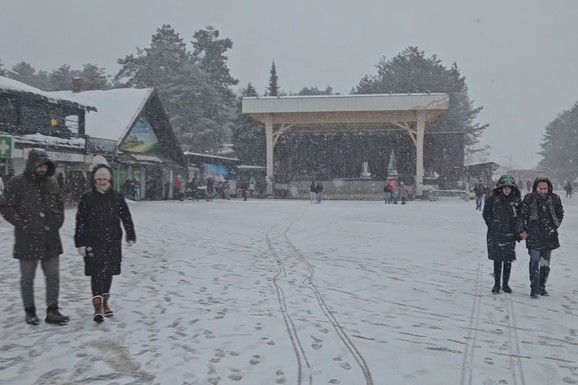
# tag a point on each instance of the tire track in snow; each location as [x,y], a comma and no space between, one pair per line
[279,243]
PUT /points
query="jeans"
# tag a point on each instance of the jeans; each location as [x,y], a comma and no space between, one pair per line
[479,201]
[539,259]
[51,268]
[539,268]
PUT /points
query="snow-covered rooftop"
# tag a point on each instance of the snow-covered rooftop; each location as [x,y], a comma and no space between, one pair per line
[51,97]
[117,110]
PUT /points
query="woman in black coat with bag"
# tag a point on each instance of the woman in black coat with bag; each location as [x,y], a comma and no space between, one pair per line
[501,213]
[98,236]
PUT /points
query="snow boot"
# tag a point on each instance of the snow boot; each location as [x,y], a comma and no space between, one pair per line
[31,317]
[544,272]
[506,277]
[53,316]
[98,312]
[107,311]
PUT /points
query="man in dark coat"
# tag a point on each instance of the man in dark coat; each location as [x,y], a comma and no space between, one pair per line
[98,236]
[540,216]
[501,214]
[33,204]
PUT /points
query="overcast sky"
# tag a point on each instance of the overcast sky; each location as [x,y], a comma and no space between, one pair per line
[519,57]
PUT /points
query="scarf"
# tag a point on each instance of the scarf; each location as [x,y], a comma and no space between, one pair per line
[549,206]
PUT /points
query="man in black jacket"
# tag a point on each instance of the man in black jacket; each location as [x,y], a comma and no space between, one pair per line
[33,204]
[541,214]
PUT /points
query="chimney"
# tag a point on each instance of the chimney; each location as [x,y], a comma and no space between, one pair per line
[77,85]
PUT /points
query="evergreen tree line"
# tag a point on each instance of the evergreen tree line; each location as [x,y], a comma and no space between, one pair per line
[560,145]
[196,89]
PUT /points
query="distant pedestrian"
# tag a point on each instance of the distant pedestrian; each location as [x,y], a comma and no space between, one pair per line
[98,236]
[319,192]
[403,193]
[32,202]
[529,186]
[568,188]
[480,191]
[541,215]
[501,213]
[1,185]
[312,192]
[386,193]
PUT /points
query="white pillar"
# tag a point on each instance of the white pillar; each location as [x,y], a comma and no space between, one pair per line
[419,152]
[269,141]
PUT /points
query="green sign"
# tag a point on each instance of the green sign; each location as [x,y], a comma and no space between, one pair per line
[5,147]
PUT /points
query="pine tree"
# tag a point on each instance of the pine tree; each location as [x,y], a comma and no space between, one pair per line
[200,110]
[95,78]
[273,88]
[209,53]
[61,78]
[249,135]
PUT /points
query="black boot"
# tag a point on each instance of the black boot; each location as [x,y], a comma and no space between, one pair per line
[31,317]
[53,316]
[544,272]
[506,277]
[497,276]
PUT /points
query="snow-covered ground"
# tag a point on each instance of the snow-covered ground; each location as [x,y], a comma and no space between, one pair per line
[285,292]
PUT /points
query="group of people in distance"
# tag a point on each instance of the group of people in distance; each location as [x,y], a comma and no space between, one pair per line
[32,202]
[534,219]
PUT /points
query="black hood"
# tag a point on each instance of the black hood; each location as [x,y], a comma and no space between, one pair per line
[38,157]
[542,179]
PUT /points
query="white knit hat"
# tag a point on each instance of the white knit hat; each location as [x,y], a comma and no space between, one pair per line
[102,173]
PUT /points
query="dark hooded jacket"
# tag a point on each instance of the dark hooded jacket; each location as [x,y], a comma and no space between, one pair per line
[540,217]
[33,204]
[98,228]
[501,216]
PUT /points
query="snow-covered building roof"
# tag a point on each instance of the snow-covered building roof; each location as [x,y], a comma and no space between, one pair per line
[8,85]
[118,109]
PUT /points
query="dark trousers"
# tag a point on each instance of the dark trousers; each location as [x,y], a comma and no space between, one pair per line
[100,284]
[51,269]
[502,271]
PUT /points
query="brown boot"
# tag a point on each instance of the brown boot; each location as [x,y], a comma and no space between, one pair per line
[105,309]
[98,313]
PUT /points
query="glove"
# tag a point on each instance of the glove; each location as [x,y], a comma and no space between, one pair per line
[82,251]
[130,243]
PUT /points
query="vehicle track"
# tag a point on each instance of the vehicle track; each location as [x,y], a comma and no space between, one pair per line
[286,255]
[472,340]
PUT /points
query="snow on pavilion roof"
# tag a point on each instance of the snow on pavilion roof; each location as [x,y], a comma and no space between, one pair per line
[117,110]
[345,103]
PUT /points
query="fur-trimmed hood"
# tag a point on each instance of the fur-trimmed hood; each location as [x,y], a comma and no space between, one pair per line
[38,157]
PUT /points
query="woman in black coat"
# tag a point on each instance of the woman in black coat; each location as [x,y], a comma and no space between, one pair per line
[501,214]
[98,236]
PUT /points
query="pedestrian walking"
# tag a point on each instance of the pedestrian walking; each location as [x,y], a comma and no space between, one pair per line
[501,213]
[541,215]
[98,236]
[386,193]
[32,202]
[403,193]
[312,192]
[480,191]
[319,191]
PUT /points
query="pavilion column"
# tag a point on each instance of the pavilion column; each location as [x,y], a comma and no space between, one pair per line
[421,115]
[269,141]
